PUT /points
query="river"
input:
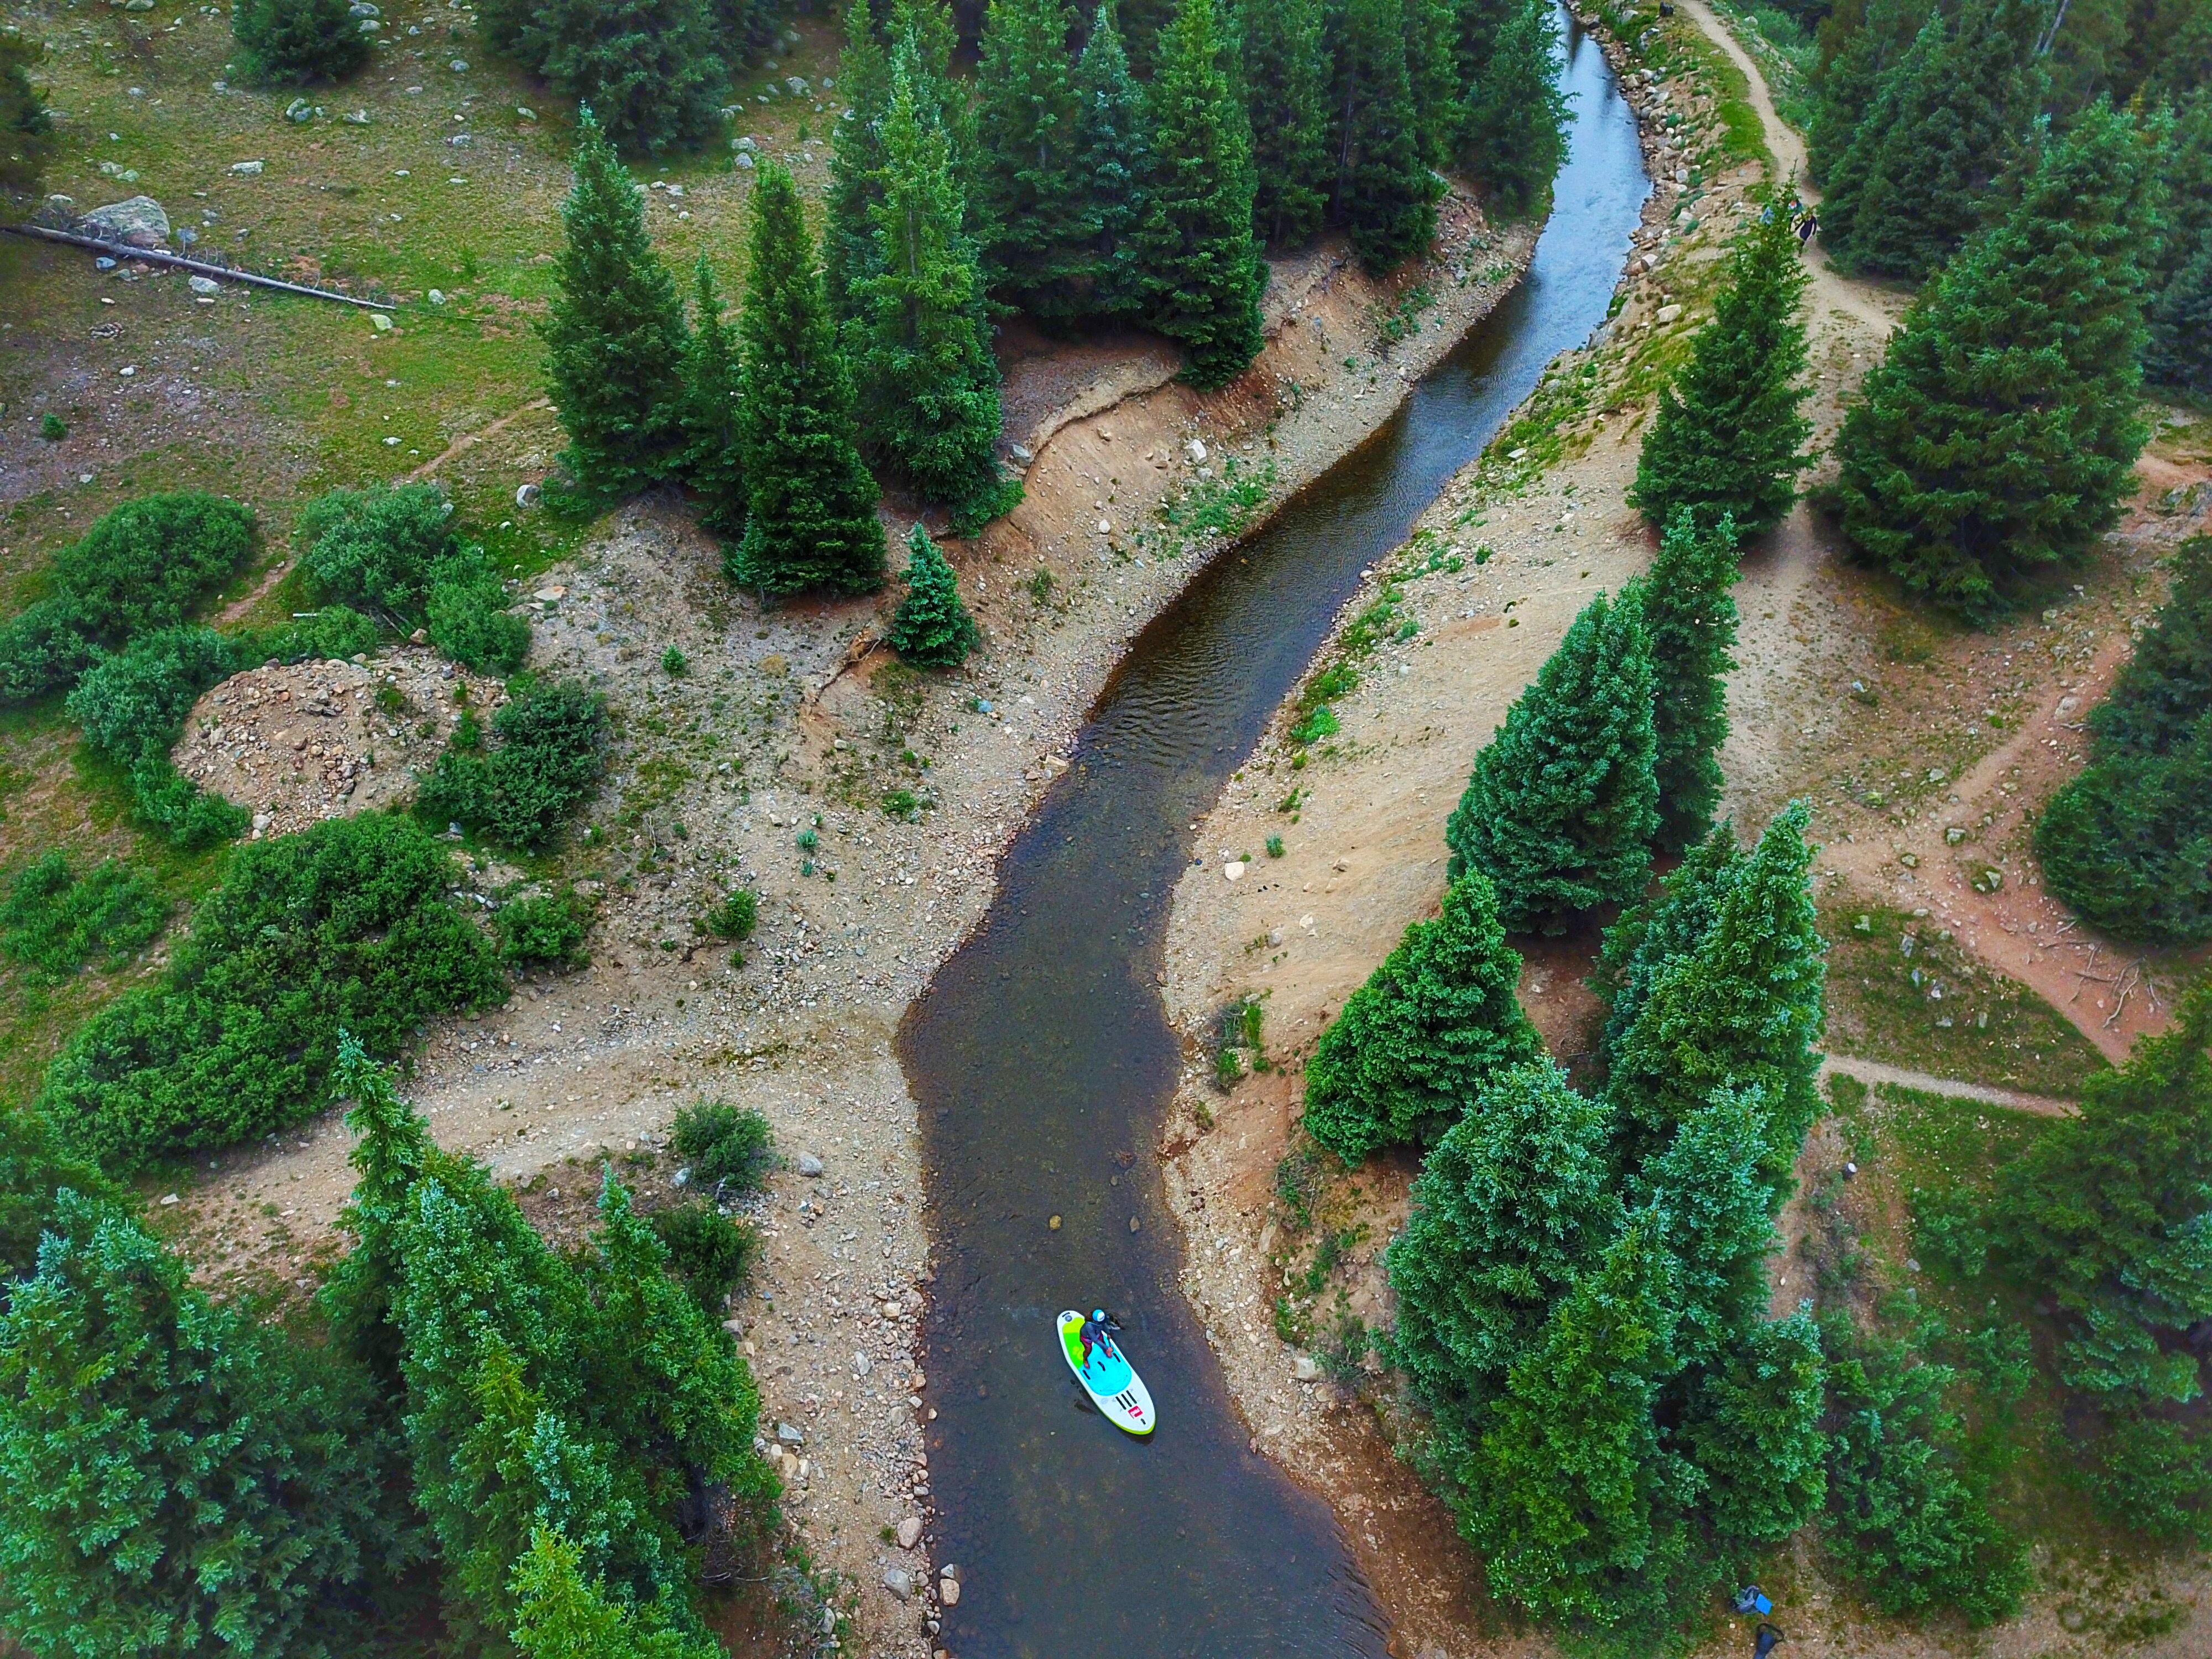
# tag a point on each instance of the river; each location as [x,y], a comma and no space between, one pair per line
[1043,1061]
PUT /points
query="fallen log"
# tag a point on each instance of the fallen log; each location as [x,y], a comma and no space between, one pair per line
[120,251]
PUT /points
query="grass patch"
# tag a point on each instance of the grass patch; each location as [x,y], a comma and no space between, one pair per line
[1899,991]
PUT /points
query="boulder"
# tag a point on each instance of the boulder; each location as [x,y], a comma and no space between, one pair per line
[910,1532]
[899,1582]
[139,222]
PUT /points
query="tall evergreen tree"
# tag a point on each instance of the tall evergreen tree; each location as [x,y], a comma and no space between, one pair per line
[1031,196]
[651,70]
[614,339]
[1512,1208]
[561,1615]
[178,1477]
[27,126]
[2179,351]
[1113,169]
[932,628]
[714,458]
[1432,66]
[298,42]
[1649,938]
[1514,134]
[1690,621]
[923,341]
[1959,117]
[1712,1209]
[1385,193]
[1415,1046]
[1728,435]
[1751,1422]
[810,509]
[1196,249]
[1572,1496]
[1287,99]
[1853,77]
[1562,805]
[1997,436]
[856,166]
[1741,1012]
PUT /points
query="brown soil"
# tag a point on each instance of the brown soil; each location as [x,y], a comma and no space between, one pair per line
[1364,855]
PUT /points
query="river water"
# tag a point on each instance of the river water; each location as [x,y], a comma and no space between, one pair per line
[1043,1061]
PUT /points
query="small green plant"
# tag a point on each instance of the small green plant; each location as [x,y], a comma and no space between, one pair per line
[1040,586]
[734,918]
[902,804]
[1297,1187]
[1291,802]
[1227,1069]
[1343,1352]
[1274,847]
[713,1254]
[1293,1324]
[545,930]
[728,1147]
[807,840]
[389,698]
[1319,721]
[675,664]
[52,429]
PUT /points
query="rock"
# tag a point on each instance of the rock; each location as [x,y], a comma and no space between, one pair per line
[459,66]
[246,169]
[797,83]
[1274,936]
[364,8]
[1021,453]
[201,284]
[1304,1369]
[899,1582]
[420,636]
[552,595]
[527,496]
[298,110]
[950,1571]
[745,161]
[524,113]
[1196,450]
[675,191]
[733,1326]
[168,1199]
[808,1165]
[378,321]
[139,222]
[786,1435]
[948,1591]
[861,1363]
[1667,313]
[1232,869]
[910,1532]
[745,144]
[462,141]
[357,119]
[1052,1224]
[436,296]
[1135,1226]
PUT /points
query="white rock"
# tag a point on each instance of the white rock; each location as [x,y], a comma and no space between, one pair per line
[380,321]
[201,284]
[899,1582]
[527,496]
[861,1363]
[141,223]
[459,66]
[1303,1368]
[168,1199]
[1105,526]
[1667,313]
[808,1165]
[1196,450]
[1232,869]
[786,1435]
[910,1532]
[948,1591]
[246,169]
[436,296]
[746,160]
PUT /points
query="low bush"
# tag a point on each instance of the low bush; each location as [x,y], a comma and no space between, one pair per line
[345,926]
[550,735]
[727,1146]
[298,42]
[132,707]
[710,1253]
[392,550]
[545,930]
[53,922]
[734,918]
[140,568]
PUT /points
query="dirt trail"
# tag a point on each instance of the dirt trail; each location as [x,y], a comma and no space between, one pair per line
[1874,1070]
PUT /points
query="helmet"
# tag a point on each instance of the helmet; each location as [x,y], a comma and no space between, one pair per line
[1098,1313]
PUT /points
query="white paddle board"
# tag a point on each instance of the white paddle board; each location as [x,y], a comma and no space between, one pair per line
[1107,1377]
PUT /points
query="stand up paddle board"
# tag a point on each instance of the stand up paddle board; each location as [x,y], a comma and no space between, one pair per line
[1107,1378]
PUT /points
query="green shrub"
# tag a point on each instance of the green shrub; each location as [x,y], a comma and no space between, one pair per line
[544,930]
[336,630]
[141,568]
[52,429]
[346,927]
[53,922]
[733,919]
[391,550]
[710,1253]
[727,1146]
[133,706]
[551,733]
[674,663]
[298,42]
[2128,843]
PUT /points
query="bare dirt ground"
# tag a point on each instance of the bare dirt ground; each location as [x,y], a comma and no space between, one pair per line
[787,723]
[1925,752]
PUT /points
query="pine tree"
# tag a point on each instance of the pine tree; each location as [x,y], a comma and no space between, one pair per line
[1031,196]
[1690,619]
[932,628]
[713,462]
[1741,1012]
[923,345]
[2163,691]
[1196,248]
[1570,1495]
[35,1167]
[856,166]
[1562,806]
[1514,134]
[27,126]
[2179,351]
[651,71]
[1965,98]
[1512,1208]
[1415,1046]
[1998,435]
[1853,77]
[1113,170]
[1145,25]
[561,1615]
[1286,98]
[1751,1425]
[298,42]
[1385,193]
[179,1477]
[1727,437]
[1649,938]
[1711,1208]
[1432,66]
[811,512]
[614,340]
